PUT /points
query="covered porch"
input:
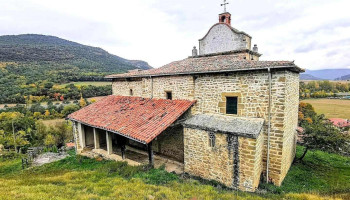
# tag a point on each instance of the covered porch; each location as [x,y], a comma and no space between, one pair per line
[128,129]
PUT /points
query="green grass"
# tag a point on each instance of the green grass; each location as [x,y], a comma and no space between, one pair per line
[94,83]
[320,172]
[331,108]
[322,176]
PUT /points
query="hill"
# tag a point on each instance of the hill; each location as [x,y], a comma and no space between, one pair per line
[327,74]
[30,60]
[343,78]
[308,77]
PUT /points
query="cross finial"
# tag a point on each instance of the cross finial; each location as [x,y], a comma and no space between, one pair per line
[224,4]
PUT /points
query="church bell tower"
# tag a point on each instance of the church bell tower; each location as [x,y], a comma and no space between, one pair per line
[225,18]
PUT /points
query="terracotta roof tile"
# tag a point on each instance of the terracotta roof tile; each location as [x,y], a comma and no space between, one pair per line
[141,119]
[339,122]
[209,64]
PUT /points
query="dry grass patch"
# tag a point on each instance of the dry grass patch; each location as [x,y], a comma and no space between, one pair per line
[331,108]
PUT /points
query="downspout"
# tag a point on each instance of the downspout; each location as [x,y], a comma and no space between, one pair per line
[151,86]
[268,128]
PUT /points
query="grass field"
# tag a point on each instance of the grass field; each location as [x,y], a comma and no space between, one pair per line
[9,105]
[323,176]
[94,83]
[52,122]
[331,108]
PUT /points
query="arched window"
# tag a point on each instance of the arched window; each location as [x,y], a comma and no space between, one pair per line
[131,92]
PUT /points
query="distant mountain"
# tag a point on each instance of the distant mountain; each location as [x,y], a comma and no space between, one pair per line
[49,54]
[308,77]
[327,74]
[344,78]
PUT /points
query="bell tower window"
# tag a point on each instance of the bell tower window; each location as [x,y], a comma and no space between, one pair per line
[223,19]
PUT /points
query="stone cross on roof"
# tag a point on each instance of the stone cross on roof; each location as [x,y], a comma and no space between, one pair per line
[224,4]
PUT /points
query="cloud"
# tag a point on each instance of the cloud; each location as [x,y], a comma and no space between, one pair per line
[315,33]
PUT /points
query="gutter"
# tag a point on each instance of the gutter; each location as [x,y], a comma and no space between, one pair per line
[268,128]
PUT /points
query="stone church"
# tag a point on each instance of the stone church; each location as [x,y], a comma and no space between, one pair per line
[220,114]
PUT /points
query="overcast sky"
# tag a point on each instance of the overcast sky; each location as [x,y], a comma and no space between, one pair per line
[314,33]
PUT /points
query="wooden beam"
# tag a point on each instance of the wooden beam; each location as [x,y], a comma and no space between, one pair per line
[150,154]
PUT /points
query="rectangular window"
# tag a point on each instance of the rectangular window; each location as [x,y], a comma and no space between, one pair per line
[212,139]
[131,92]
[169,95]
[231,105]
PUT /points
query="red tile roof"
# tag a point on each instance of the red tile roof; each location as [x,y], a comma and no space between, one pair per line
[340,122]
[209,64]
[141,119]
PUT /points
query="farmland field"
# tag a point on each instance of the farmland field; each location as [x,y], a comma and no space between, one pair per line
[331,108]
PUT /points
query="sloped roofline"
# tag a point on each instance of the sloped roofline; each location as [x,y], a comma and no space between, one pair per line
[230,27]
[293,68]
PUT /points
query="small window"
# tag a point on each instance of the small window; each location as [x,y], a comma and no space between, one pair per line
[231,105]
[131,92]
[212,139]
[169,95]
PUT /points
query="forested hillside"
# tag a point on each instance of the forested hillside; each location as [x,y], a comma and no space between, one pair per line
[28,62]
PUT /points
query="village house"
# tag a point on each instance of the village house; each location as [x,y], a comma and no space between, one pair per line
[220,114]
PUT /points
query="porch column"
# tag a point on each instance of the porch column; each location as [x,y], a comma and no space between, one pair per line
[81,133]
[109,143]
[96,139]
[150,153]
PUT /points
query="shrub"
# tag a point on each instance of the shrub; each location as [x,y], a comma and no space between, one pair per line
[70,109]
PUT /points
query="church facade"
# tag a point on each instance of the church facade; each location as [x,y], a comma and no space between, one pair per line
[221,113]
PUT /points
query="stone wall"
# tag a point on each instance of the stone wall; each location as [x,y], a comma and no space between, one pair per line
[89,136]
[221,38]
[212,163]
[170,143]
[251,88]
[182,87]
[233,161]
[290,122]
[250,162]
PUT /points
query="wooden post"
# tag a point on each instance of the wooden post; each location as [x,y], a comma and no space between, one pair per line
[123,148]
[109,143]
[150,153]
[96,139]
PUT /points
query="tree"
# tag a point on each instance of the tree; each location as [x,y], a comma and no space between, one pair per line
[47,113]
[82,102]
[319,132]
[70,109]
[13,130]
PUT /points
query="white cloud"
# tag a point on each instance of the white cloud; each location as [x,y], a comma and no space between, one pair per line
[315,33]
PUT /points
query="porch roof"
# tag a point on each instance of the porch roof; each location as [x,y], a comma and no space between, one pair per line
[240,126]
[141,119]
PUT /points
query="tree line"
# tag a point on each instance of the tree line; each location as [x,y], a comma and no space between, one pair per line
[322,89]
